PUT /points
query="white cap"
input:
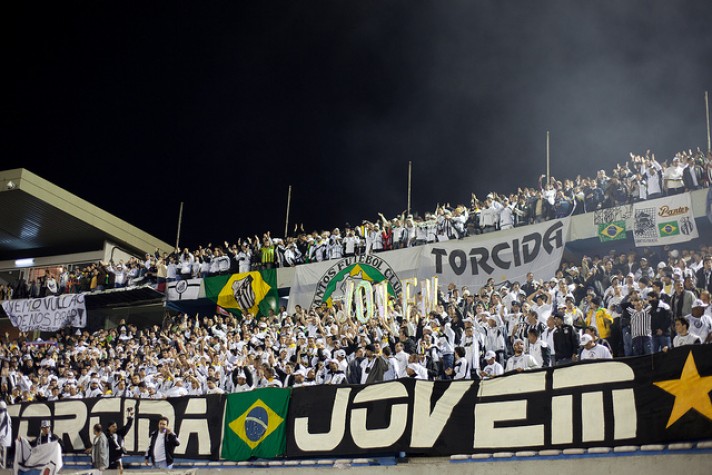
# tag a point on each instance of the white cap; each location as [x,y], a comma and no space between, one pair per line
[586,339]
[490,354]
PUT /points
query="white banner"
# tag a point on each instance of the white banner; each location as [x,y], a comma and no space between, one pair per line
[504,256]
[664,221]
[47,314]
[186,289]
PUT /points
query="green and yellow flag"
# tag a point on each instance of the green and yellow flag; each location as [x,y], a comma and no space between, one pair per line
[611,231]
[254,292]
[670,228]
[255,424]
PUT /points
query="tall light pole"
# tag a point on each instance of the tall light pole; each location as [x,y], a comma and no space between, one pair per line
[410,170]
[548,156]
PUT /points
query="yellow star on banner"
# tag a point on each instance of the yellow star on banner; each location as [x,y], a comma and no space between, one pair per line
[691,391]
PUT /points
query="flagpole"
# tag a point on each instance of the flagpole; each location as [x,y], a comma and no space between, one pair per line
[180,220]
[548,157]
[289,202]
[410,171]
[707,116]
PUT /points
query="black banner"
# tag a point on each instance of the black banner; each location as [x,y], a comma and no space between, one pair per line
[197,421]
[635,401]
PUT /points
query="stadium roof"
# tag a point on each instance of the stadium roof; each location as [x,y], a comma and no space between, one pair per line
[39,219]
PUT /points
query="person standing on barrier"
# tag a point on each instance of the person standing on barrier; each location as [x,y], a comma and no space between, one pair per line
[162,445]
[115,437]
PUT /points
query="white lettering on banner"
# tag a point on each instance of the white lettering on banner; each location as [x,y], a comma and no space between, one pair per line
[497,424]
[157,408]
[427,424]
[309,442]
[194,422]
[77,413]
[72,421]
[47,314]
[487,435]
[562,419]
[371,438]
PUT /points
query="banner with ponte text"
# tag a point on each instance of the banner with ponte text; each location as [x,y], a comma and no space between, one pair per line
[664,221]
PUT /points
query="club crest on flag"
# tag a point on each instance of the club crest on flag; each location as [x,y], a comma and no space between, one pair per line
[254,292]
[243,292]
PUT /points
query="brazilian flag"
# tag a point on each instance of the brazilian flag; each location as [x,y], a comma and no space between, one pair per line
[254,292]
[671,228]
[255,424]
[611,231]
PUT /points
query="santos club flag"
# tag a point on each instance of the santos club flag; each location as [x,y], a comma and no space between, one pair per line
[254,292]
[255,424]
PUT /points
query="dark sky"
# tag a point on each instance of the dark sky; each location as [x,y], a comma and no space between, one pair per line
[139,106]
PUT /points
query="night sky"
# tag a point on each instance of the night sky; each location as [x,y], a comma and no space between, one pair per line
[137,106]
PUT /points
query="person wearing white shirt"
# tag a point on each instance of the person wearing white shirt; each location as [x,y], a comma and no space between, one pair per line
[506,216]
[700,323]
[520,361]
[683,337]
[493,368]
[401,360]
[162,446]
[592,350]
[489,215]
[672,177]
[538,348]
[461,369]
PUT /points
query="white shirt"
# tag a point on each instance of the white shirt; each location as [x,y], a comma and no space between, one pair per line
[524,362]
[597,352]
[159,450]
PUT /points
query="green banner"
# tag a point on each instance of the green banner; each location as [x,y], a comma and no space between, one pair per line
[255,424]
[611,231]
[254,292]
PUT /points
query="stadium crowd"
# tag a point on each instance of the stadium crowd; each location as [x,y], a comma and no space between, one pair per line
[641,177]
[615,305]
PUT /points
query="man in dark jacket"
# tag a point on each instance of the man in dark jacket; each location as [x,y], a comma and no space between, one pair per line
[565,341]
[115,438]
[660,322]
[162,446]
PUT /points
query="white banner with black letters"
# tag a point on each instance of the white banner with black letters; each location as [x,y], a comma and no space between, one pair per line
[504,256]
[48,313]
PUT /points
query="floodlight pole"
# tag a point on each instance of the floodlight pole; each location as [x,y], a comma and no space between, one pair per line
[289,202]
[548,156]
[180,220]
[410,170]
[707,116]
